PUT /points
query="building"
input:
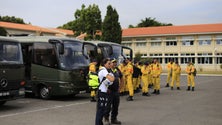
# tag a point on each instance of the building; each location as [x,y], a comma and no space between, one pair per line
[201,44]
[15,29]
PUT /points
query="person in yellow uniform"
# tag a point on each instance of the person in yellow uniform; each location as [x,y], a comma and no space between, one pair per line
[122,86]
[156,72]
[176,76]
[129,79]
[190,70]
[136,74]
[145,79]
[169,72]
[93,80]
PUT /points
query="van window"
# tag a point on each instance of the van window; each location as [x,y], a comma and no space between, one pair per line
[44,54]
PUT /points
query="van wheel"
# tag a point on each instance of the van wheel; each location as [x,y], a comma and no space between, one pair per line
[44,92]
[2,102]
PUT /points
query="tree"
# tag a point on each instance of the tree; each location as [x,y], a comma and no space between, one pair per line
[148,22]
[87,20]
[12,19]
[3,32]
[111,29]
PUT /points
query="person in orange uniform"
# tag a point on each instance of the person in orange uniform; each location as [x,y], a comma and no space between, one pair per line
[129,79]
[190,69]
[156,72]
[145,79]
[93,80]
[169,72]
[176,76]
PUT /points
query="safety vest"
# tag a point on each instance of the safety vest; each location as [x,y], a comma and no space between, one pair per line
[93,80]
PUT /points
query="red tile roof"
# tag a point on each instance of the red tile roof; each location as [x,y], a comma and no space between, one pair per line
[24,27]
[173,30]
[64,31]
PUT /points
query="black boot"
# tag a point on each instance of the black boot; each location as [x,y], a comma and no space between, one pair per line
[178,88]
[130,98]
[171,88]
[115,121]
[154,92]
[192,88]
[93,99]
[167,85]
[158,92]
[188,88]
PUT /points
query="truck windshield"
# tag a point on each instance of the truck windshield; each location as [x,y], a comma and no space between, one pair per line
[73,56]
[10,53]
[117,53]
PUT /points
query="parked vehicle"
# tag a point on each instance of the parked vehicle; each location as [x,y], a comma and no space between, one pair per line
[54,66]
[101,50]
[11,70]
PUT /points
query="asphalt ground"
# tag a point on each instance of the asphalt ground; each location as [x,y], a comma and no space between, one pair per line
[171,107]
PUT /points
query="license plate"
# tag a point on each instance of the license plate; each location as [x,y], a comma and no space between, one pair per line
[82,91]
[4,93]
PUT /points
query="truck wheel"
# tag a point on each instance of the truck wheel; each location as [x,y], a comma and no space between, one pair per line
[44,92]
[2,102]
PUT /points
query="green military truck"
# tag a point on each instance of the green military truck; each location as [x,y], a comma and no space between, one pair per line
[102,49]
[11,70]
[54,66]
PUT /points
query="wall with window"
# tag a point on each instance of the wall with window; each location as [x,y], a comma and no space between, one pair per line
[205,50]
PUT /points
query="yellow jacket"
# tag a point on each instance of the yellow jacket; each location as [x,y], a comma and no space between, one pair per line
[128,69]
[145,70]
[169,67]
[176,69]
[156,70]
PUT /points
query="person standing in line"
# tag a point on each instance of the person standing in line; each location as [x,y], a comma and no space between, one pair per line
[136,74]
[93,80]
[114,96]
[156,72]
[122,80]
[129,79]
[169,72]
[190,70]
[106,79]
[145,79]
[176,76]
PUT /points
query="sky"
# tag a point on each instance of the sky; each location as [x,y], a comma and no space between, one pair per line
[54,13]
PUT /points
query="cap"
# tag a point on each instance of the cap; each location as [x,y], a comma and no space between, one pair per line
[113,60]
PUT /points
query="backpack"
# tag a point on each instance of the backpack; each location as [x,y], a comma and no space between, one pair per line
[195,72]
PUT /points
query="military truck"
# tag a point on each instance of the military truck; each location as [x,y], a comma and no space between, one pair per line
[54,66]
[103,49]
[12,78]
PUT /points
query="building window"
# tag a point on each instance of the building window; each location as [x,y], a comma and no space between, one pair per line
[187,43]
[219,41]
[185,60]
[204,42]
[187,40]
[169,56]
[141,44]
[171,43]
[205,58]
[219,58]
[157,56]
[187,57]
[143,55]
[127,44]
[153,44]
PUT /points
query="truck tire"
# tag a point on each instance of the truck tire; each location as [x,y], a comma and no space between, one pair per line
[44,92]
[2,102]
